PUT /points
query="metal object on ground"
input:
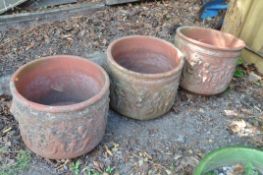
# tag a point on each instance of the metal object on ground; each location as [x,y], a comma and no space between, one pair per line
[211,58]
[61,103]
[145,73]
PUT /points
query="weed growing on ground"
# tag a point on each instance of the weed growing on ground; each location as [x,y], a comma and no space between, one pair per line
[21,164]
[75,168]
[239,72]
[108,171]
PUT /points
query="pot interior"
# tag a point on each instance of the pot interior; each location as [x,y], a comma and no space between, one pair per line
[213,38]
[61,80]
[145,55]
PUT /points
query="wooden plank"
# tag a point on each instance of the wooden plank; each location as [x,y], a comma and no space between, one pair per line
[253,27]
[261,51]
[253,58]
[115,2]
[236,16]
[37,4]
[244,20]
[9,4]
[255,52]
[23,19]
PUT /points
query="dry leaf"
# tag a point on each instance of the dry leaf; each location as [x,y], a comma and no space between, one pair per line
[107,150]
[242,128]
[231,113]
[32,44]
[97,166]
[237,126]
[7,130]
[238,169]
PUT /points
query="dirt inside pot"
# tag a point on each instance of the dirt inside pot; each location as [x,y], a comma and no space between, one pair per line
[145,55]
[58,81]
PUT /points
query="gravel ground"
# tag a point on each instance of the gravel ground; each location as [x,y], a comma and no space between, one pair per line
[172,144]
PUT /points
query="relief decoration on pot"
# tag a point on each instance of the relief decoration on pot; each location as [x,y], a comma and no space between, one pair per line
[153,102]
[208,72]
[63,136]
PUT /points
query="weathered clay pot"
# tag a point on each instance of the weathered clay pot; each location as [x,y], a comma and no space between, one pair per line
[211,58]
[145,73]
[61,104]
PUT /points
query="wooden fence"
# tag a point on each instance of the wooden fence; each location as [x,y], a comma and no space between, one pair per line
[245,20]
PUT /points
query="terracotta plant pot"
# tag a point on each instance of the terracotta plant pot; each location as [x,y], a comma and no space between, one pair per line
[61,104]
[211,58]
[145,73]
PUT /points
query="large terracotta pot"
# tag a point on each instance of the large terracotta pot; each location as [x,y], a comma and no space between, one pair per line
[145,73]
[61,104]
[211,58]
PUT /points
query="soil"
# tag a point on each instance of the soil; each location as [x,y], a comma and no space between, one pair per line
[171,144]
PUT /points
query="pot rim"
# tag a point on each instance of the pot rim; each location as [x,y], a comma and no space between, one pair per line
[62,108]
[177,68]
[209,46]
